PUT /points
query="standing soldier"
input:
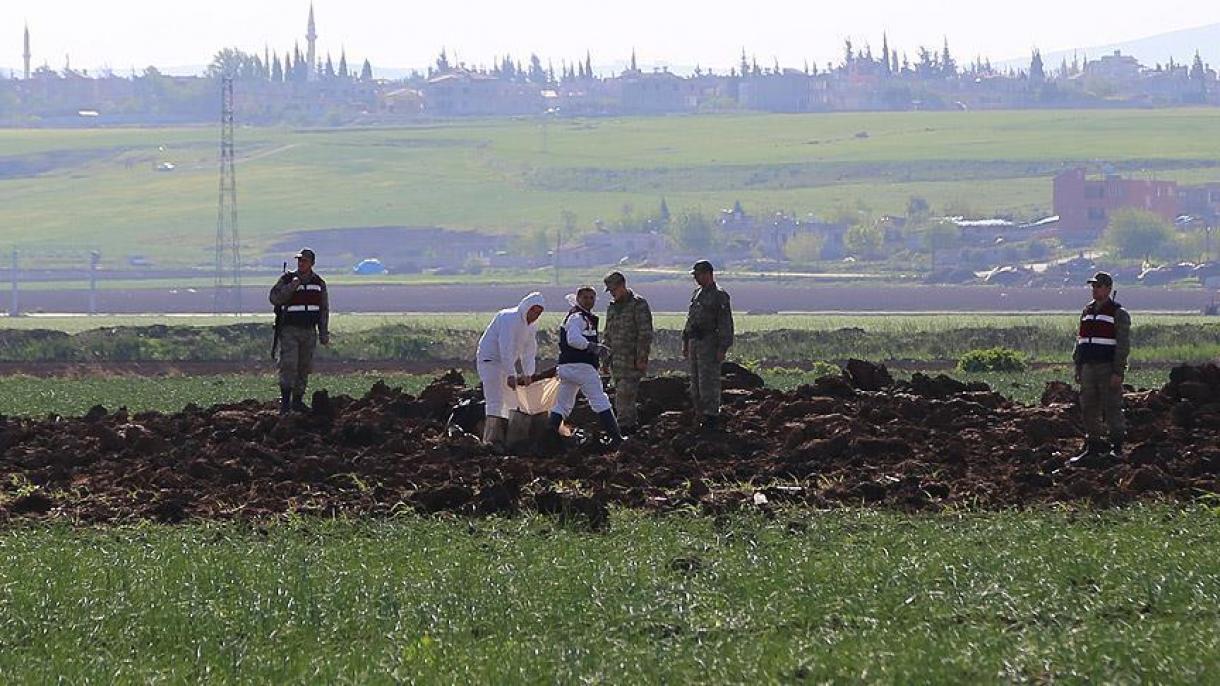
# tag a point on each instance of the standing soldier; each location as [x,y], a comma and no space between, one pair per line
[1102,346]
[706,339]
[302,321]
[579,353]
[629,336]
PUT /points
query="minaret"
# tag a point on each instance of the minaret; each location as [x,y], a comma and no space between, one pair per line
[311,37]
[26,54]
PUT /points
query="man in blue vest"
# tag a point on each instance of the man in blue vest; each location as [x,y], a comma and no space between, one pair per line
[1103,343]
[579,357]
[302,321]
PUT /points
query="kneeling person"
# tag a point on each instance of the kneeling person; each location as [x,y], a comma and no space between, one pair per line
[579,355]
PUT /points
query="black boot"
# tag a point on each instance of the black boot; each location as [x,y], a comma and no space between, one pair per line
[554,421]
[1092,456]
[610,426]
[285,400]
[298,402]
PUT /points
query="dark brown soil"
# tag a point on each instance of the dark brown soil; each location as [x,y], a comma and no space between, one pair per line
[922,445]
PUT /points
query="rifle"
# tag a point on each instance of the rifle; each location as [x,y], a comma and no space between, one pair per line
[279,321]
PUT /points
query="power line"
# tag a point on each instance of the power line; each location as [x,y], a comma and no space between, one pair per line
[228,244]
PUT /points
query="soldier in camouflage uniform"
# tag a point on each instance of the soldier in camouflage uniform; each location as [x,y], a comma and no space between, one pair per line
[706,339]
[629,337]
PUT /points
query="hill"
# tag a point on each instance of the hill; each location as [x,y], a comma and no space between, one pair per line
[63,190]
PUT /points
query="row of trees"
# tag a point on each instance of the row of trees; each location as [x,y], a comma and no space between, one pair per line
[294,68]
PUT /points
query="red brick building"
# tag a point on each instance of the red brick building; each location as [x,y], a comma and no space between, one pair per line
[1084,203]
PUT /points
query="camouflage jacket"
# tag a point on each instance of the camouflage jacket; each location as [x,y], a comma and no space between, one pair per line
[710,317]
[628,331]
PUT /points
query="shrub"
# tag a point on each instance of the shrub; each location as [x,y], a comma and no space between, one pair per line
[992,360]
[821,368]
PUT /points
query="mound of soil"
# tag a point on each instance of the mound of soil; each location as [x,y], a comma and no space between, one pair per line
[921,445]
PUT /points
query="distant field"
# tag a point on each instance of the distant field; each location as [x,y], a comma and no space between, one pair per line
[881,323]
[508,176]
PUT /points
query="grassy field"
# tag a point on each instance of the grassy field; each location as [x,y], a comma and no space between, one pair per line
[1127,596]
[515,174]
[442,339]
[29,396]
[23,395]
[897,324]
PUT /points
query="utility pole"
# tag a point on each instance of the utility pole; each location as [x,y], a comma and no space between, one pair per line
[14,308]
[228,244]
[94,258]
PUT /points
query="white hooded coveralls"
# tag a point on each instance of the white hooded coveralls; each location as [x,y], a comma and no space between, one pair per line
[507,341]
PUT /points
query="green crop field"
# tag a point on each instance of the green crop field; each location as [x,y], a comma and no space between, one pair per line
[1128,596]
[897,324]
[72,397]
[778,340]
[511,175]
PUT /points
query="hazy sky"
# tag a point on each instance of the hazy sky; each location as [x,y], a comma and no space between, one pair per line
[126,33]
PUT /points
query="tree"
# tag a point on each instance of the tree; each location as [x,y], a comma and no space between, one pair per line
[536,74]
[885,53]
[329,70]
[366,72]
[692,231]
[343,74]
[588,65]
[1198,72]
[940,236]
[277,71]
[927,66]
[948,66]
[442,62]
[917,208]
[1036,73]
[664,212]
[864,239]
[233,63]
[1137,233]
[804,248]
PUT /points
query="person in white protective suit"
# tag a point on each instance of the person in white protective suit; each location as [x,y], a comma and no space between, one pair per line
[510,339]
[579,357]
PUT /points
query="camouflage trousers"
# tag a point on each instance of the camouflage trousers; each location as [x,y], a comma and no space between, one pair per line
[297,344]
[705,377]
[626,392]
[1101,403]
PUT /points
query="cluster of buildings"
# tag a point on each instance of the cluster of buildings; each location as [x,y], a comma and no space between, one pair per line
[864,83]
[1084,203]
[307,87]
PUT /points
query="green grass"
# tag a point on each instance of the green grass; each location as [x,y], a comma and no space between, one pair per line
[779,340]
[855,596]
[29,396]
[897,324]
[498,175]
